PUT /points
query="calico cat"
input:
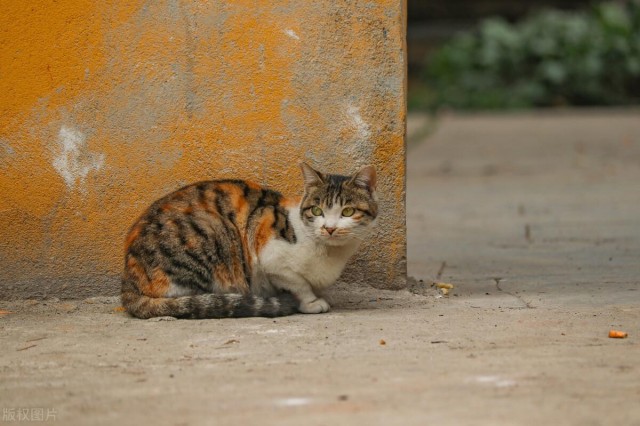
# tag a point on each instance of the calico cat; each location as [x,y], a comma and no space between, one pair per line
[230,248]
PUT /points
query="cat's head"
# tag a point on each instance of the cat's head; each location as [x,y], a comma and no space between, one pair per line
[337,210]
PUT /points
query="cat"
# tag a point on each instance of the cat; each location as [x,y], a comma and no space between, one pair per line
[231,248]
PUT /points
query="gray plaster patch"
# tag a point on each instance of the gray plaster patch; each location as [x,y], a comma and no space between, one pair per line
[7,153]
[73,160]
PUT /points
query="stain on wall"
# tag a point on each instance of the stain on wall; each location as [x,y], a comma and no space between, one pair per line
[108,105]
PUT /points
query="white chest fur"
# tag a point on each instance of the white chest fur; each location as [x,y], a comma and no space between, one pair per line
[320,266]
[317,264]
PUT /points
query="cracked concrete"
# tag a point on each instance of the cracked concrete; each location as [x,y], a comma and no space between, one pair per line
[534,219]
[524,302]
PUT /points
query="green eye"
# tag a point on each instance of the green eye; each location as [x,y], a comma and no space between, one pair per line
[348,211]
[316,211]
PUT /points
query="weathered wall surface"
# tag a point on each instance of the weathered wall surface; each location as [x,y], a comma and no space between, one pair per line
[107,105]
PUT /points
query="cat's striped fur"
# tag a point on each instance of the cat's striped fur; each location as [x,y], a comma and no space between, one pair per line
[230,248]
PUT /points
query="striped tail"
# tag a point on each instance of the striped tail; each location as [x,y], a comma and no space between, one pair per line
[209,306]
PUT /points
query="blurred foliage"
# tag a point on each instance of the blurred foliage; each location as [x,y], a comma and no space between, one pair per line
[552,58]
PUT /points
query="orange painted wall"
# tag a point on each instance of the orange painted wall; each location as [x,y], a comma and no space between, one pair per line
[105,106]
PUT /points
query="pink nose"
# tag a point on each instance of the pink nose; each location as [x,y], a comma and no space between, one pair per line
[330,230]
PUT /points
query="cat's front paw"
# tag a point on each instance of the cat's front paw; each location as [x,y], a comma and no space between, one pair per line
[317,306]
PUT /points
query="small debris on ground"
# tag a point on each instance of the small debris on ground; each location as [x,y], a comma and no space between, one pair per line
[119,309]
[3,312]
[443,287]
[617,334]
[382,342]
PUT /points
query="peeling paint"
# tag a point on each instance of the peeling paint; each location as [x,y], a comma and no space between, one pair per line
[74,161]
[292,34]
[362,127]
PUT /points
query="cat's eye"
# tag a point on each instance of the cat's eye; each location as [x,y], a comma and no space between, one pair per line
[316,211]
[348,211]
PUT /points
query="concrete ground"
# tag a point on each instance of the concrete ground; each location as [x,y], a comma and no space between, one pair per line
[535,220]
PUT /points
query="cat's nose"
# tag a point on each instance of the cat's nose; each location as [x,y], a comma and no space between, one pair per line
[329,230]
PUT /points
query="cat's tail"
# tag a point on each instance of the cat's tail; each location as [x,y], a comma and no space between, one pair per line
[208,305]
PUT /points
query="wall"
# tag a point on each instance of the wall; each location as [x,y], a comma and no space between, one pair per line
[108,105]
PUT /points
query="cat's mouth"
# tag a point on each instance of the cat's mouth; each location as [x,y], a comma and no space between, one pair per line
[338,233]
[336,237]
[333,236]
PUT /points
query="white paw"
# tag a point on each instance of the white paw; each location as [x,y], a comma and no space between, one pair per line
[158,319]
[317,306]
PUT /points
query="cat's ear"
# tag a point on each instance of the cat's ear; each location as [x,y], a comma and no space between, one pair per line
[365,178]
[311,177]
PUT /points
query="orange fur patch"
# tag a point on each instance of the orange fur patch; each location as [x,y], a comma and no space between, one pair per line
[137,272]
[240,205]
[247,252]
[264,231]
[222,276]
[192,242]
[253,185]
[238,272]
[230,280]
[289,203]
[236,196]
[158,286]
[133,235]
[230,188]
[209,202]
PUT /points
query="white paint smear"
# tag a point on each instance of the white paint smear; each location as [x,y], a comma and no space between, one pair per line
[495,381]
[362,127]
[270,331]
[293,402]
[74,161]
[292,34]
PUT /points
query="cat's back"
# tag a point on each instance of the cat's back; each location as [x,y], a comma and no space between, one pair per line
[228,197]
[215,208]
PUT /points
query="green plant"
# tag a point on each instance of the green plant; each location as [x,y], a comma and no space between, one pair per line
[551,58]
